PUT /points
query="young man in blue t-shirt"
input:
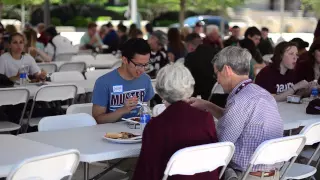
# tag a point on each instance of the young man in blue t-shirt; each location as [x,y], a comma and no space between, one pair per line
[116,94]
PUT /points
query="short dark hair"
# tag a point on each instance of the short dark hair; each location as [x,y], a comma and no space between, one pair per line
[252,31]
[92,25]
[301,43]
[235,27]
[109,25]
[51,31]
[192,36]
[122,29]
[279,51]
[149,28]
[135,46]
[264,29]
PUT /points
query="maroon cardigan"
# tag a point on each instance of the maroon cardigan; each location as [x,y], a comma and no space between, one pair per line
[179,126]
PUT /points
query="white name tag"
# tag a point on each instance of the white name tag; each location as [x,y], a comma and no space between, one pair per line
[118,89]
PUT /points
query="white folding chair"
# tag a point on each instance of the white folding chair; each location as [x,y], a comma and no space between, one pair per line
[302,171]
[277,151]
[73,66]
[13,96]
[49,167]
[82,58]
[198,159]
[94,75]
[117,64]
[49,93]
[158,109]
[64,57]
[106,57]
[80,108]
[217,89]
[67,76]
[48,67]
[82,52]
[68,121]
[86,58]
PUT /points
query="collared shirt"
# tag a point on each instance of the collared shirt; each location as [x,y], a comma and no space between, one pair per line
[85,39]
[251,117]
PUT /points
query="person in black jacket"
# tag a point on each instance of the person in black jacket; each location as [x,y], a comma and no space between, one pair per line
[199,64]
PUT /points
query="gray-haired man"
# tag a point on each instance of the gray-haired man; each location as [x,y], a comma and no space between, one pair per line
[251,115]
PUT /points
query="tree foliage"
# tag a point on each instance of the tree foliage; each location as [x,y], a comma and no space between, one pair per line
[312,4]
[39,2]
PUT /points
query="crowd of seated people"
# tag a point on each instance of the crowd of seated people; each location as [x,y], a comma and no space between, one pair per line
[186,64]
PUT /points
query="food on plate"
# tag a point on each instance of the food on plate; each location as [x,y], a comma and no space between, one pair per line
[121,135]
[137,119]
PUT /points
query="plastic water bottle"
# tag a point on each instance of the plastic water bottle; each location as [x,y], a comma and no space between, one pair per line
[145,116]
[314,93]
[23,75]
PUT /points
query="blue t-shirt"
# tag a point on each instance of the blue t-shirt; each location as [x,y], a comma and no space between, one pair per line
[111,91]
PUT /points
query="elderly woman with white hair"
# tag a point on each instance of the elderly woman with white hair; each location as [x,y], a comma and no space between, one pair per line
[177,127]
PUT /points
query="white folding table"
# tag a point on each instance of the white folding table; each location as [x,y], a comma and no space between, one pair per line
[15,149]
[84,86]
[294,115]
[89,141]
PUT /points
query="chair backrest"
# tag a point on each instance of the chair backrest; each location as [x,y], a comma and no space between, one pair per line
[312,133]
[198,159]
[64,57]
[49,167]
[66,122]
[82,58]
[13,96]
[80,108]
[217,89]
[57,92]
[73,66]
[158,109]
[67,76]
[48,67]
[106,57]
[93,75]
[277,151]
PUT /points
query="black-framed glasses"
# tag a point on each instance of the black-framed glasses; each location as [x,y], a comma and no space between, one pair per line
[140,66]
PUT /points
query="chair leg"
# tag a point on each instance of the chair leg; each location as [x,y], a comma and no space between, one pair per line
[86,170]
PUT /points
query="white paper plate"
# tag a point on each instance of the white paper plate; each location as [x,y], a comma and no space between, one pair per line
[124,141]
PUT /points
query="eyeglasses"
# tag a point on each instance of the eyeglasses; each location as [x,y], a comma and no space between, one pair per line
[140,66]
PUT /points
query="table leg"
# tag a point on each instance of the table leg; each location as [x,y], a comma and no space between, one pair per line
[86,170]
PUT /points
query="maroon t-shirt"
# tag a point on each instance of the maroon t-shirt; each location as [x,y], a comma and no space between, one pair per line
[270,79]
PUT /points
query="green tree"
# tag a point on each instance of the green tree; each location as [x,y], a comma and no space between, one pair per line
[159,6]
[313,4]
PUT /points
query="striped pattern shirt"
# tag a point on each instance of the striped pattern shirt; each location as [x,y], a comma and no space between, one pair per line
[251,117]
